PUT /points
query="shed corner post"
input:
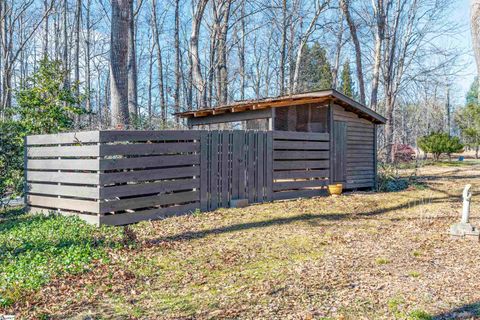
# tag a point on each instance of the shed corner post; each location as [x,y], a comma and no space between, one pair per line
[375,165]
[25,168]
[204,170]
[330,141]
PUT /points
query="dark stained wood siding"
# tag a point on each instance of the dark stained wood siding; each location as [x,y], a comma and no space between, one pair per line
[360,150]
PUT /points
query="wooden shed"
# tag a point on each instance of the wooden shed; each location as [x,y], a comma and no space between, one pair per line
[351,128]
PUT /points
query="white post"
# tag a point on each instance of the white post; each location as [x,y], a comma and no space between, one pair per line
[467,196]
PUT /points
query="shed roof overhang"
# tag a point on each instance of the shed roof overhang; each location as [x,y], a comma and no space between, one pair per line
[323,96]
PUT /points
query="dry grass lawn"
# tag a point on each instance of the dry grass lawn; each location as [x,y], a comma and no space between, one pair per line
[356,256]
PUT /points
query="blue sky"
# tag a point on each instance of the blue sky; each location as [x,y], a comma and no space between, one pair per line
[462,15]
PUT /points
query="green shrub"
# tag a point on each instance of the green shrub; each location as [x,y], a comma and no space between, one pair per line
[44,106]
[35,248]
[389,180]
[11,161]
[439,143]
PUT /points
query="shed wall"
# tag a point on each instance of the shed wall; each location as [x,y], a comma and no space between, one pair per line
[361,153]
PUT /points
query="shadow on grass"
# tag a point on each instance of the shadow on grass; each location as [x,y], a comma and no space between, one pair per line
[467,311]
[192,235]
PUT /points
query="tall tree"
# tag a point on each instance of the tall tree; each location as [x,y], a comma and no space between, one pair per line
[119,43]
[475,27]
[156,36]
[315,70]
[346,83]
[319,8]
[176,96]
[345,5]
[197,80]
[132,63]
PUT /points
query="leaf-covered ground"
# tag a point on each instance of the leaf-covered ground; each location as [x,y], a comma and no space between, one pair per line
[356,256]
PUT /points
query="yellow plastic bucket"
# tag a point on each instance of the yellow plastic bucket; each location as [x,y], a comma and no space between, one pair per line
[335,189]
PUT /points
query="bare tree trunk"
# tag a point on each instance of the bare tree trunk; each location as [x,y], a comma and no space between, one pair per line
[241,51]
[338,52]
[45,30]
[222,72]
[119,39]
[150,82]
[132,64]
[78,19]
[176,96]
[66,81]
[310,29]
[358,52]
[156,35]
[379,37]
[195,71]
[283,47]
[88,105]
[475,27]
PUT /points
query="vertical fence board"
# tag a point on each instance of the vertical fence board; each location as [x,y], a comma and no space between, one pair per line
[204,171]
[225,174]
[269,167]
[251,167]
[214,173]
[260,166]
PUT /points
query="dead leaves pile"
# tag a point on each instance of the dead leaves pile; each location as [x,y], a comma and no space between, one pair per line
[357,256]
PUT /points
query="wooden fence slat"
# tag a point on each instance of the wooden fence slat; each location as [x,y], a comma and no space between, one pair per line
[269,167]
[148,188]
[300,174]
[149,201]
[148,148]
[64,177]
[260,166]
[152,214]
[290,135]
[64,203]
[300,154]
[64,138]
[204,171]
[64,164]
[251,166]
[149,162]
[225,174]
[63,190]
[163,135]
[298,194]
[289,185]
[242,163]
[300,164]
[64,151]
[300,145]
[148,175]
[214,174]
[236,158]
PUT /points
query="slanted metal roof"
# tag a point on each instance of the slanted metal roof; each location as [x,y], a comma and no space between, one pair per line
[321,96]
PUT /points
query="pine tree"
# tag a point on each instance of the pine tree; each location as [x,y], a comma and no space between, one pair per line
[346,82]
[472,95]
[315,70]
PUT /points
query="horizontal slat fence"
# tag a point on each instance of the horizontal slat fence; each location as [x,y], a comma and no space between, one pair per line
[300,164]
[114,177]
[121,177]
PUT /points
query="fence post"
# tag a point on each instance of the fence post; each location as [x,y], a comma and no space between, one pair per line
[25,168]
[269,166]
[204,170]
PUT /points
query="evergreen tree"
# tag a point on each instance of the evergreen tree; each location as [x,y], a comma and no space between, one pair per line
[472,96]
[315,69]
[346,81]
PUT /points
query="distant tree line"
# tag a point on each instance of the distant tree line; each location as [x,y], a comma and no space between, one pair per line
[134,63]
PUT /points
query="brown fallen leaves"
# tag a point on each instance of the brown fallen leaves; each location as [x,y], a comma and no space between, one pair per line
[357,256]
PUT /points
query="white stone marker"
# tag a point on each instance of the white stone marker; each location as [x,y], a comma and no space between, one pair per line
[465,228]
